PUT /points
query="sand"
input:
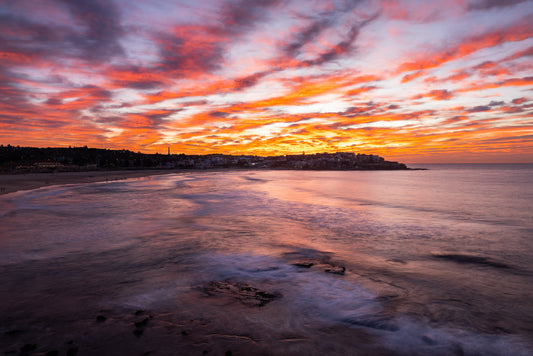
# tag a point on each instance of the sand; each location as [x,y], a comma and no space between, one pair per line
[10,183]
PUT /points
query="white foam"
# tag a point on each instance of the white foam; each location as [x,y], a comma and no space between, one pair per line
[331,299]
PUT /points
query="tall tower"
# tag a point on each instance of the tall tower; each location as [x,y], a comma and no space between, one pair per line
[169,151]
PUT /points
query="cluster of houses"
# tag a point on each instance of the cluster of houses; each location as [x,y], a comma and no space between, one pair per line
[318,161]
[29,159]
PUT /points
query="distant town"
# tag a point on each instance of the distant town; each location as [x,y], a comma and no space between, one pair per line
[16,159]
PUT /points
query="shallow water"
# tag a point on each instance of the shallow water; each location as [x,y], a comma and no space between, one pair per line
[436,262]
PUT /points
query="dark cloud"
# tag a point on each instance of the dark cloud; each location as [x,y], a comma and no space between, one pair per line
[251,80]
[200,49]
[238,15]
[480,108]
[337,50]
[455,119]
[491,4]
[332,19]
[101,20]
[306,35]
[140,84]
[218,114]
[159,117]
[54,102]
[496,103]
[524,138]
[9,90]
[26,41]
[358,110]
[519,101]
[109,119]
[98,92]
[191,50]
[29,41]
[196,103]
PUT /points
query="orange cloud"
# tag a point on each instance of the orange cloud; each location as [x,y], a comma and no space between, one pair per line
[227,79]
[517,32]
[504,83]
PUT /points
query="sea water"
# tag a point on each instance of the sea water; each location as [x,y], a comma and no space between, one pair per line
[436,261]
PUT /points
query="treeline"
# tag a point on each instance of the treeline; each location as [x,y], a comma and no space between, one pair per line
[16,158]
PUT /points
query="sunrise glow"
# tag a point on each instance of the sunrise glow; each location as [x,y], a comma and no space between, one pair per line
[411,80]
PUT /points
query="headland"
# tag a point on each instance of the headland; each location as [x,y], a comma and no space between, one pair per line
[23,168]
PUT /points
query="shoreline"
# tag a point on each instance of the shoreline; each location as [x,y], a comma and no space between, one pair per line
[10,183]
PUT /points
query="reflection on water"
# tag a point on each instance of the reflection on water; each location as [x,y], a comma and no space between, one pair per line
[433,262]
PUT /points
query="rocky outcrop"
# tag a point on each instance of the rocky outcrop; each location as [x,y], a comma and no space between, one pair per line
[243,292]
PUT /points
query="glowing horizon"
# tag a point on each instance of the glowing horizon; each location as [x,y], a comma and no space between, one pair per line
[413,81]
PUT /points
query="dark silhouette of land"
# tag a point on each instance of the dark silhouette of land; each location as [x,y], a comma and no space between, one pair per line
[16,159]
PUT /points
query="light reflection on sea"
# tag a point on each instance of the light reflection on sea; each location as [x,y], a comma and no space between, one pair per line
[437,262]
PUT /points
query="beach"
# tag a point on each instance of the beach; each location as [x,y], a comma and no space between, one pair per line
[433,262]
[10,183]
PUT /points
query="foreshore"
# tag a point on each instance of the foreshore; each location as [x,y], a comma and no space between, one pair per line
[10,183]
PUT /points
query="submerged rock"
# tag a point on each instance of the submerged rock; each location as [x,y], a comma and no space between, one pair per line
[245,293]
[142,323]
[304,264]
[335,269]
[309,258]
[328,267]
[28,348]
[72,351]
[471,259]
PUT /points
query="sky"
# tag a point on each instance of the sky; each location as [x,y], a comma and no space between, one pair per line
[410,80]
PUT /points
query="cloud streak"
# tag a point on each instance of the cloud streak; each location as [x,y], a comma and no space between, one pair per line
[406,79]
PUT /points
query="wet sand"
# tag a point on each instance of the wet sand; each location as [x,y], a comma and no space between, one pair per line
[10,183]
[212,267]
[73,306]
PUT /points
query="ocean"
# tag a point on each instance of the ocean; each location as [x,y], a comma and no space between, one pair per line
[419,262]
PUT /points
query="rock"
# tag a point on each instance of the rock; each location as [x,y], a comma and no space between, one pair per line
[316,259]
[479,260]
[245,293]
[335,269]
[28,348]
[397,260]
[13,332]
[304,264]
[101,318]
[138,332]
[428,340]
[73,351]
[142,324]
